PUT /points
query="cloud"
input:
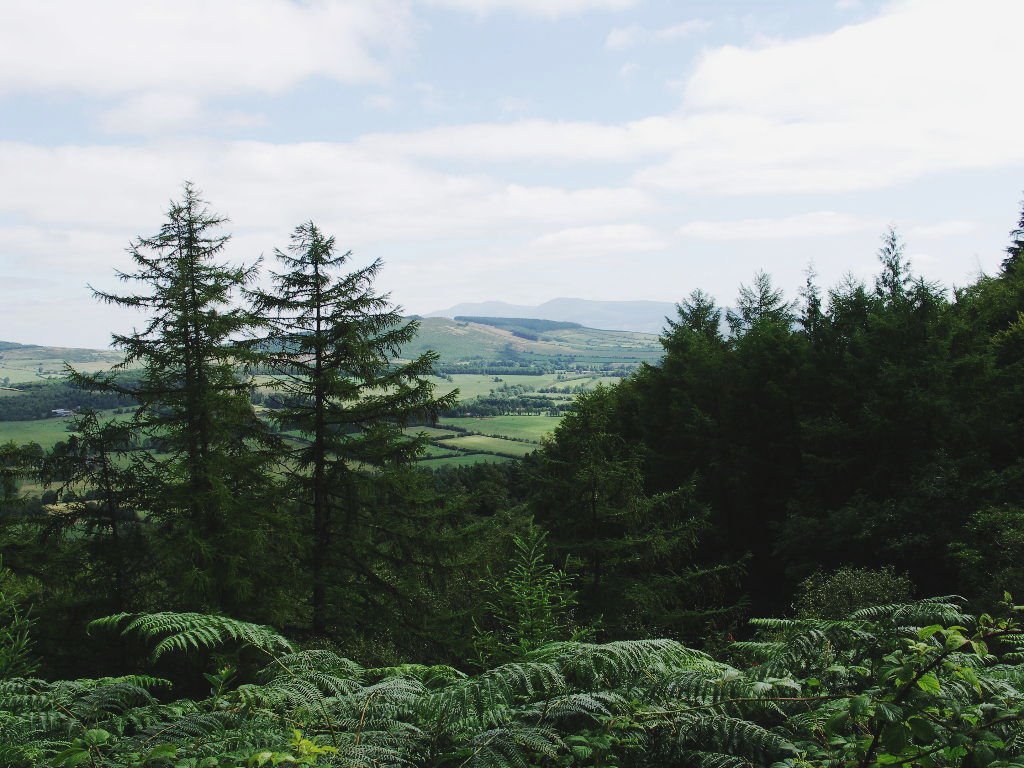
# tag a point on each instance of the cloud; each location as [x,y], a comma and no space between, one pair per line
[197,47]
[158,113]
[370,197]
[941,229]
[622,38]
[382,101]
[550,9]
[598,240]
[924,87]
[534,139]
[817,224]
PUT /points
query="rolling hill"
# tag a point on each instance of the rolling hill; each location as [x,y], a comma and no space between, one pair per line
[638,316]
[489,341]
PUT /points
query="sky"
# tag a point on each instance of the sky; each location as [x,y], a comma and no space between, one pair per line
[515,150]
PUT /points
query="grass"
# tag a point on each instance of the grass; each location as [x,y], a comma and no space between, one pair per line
[531,428]
[432,451]
[46,432]
[433,433]
[491,444]
[464,460]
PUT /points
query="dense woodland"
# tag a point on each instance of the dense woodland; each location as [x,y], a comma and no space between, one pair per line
[208,585]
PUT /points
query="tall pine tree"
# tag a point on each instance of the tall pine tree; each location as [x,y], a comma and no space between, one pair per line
[202,478]
[333,348]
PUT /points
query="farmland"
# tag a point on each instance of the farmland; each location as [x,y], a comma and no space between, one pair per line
[457,440]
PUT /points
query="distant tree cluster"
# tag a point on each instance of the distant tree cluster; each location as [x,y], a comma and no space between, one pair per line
[38,400]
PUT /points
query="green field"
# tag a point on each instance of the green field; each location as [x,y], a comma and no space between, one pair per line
[46,432]
[472,385]
[464,460]
[432,451]
[490,444]
[433,433]
[531,428]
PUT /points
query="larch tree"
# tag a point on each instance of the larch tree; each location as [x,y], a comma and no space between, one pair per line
[333,348]
[182,369]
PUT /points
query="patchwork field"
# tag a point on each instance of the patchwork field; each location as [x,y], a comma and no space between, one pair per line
[433,433]
[434,451]
[531,428]
[453,442]
[489,444]
[464,460]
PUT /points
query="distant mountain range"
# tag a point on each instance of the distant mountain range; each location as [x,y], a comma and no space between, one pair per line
[637,316]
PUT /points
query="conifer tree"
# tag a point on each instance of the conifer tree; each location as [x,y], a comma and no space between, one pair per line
[637,556]
[94,470]
[193,408]
[333,347]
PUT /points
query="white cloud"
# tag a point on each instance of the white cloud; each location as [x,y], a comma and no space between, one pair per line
[157,113]
[816,224]
[370,197]
[926,86]
[923,88]
[599,240]
[112,47]
[534,139]
[941,229]
[621,38]
[544,8]
[382,101]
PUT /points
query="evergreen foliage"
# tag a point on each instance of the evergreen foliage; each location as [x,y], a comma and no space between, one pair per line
[636,556]
[332,347]
[200,485]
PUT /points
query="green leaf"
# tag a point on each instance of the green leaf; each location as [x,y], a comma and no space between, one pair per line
[930,683]
[73,756]
[96,736]
[922,730]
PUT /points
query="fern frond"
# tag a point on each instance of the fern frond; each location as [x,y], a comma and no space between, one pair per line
[194,631]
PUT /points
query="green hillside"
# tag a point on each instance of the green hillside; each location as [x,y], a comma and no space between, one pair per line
[462,343]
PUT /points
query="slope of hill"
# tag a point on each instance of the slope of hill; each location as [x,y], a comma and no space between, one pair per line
[21,363]
[525,343]
[461,343]
[637,316]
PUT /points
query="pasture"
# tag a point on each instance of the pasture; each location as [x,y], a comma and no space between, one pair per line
[531,428]
[490,444]
[463,460]
[46,432]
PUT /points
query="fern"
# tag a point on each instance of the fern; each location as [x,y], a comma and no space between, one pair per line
[184,631]
[818,693]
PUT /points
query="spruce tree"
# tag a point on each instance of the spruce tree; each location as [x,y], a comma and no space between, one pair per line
[637,557]
[93,475]
[333,348]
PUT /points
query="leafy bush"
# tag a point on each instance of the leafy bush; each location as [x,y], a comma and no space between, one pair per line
[832,595]
[920,684]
